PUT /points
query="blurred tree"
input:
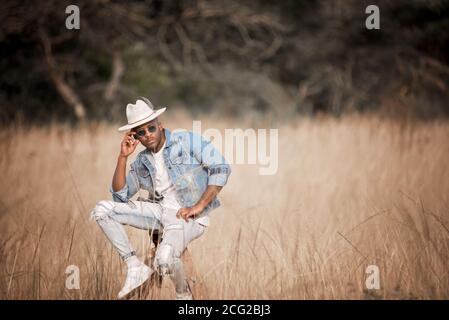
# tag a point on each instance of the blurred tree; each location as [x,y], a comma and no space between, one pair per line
[318,50]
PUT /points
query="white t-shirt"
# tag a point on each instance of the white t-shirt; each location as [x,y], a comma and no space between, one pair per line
[164,185]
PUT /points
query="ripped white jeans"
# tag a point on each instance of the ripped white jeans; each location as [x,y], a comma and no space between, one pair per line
[177,233]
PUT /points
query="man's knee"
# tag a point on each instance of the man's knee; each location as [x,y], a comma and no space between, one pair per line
[103,209]
[167,259]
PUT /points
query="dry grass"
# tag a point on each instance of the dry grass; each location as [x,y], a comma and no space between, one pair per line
[348,193]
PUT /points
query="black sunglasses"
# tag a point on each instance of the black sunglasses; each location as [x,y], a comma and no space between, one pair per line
[141,132]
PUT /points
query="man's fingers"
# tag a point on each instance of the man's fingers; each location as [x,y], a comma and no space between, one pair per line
[127,138]
[131,142]
[128,135]
[183,213]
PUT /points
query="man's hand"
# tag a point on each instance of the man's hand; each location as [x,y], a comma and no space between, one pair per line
[128,144]
[186,213]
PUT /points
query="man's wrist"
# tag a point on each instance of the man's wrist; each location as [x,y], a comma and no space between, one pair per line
[122,157]
[200,206]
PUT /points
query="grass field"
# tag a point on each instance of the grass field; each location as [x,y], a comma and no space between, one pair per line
[349,193]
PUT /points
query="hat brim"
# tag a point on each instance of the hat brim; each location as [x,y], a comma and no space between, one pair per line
[156,114]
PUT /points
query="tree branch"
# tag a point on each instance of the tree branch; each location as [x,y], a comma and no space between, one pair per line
[66,92]
[118,69]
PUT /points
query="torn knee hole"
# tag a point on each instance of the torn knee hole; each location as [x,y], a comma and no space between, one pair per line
[164,259]
[102,210]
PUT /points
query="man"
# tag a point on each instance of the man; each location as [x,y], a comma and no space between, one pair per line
[182,172]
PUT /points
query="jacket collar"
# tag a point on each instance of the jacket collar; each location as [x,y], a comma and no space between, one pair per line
[167,137]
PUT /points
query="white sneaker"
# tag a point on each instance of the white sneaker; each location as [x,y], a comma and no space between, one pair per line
[184,296]
[135,277]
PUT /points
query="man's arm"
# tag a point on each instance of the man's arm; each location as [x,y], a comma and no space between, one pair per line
[119,188]
[219,171]
[119,178]
[209,194]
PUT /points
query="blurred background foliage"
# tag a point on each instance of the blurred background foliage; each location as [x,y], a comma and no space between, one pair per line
[230,57]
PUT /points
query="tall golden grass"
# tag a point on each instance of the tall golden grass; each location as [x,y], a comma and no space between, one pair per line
[348,193]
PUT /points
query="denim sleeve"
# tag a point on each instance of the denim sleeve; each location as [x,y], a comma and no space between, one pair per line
[131,187]
[208,155]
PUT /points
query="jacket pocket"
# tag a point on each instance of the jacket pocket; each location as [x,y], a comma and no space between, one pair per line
[143,172]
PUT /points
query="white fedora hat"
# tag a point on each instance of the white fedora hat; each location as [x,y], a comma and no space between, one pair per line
[139,113]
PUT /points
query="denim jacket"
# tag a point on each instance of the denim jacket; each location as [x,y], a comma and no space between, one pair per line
[192,164]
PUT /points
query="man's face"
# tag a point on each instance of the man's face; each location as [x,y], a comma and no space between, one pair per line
[149,134]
